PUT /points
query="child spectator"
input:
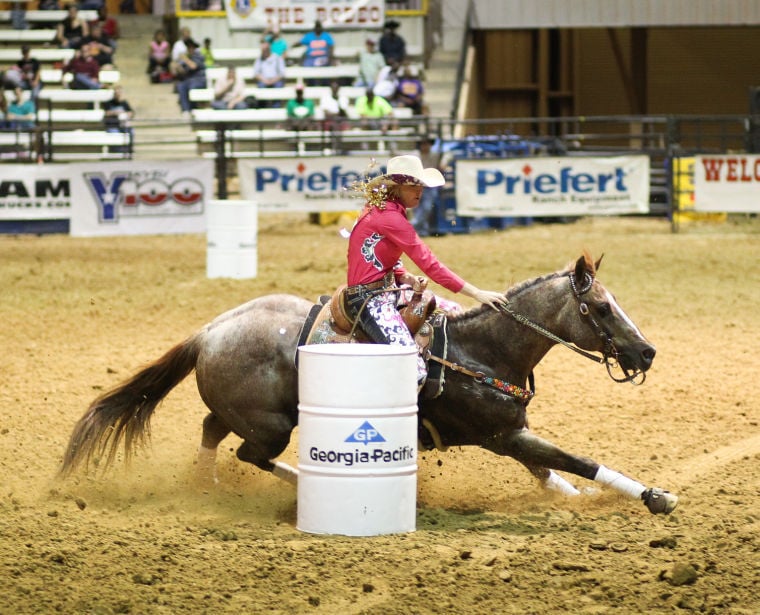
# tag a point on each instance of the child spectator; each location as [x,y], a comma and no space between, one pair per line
[117,112]
[208,55]
[158,55]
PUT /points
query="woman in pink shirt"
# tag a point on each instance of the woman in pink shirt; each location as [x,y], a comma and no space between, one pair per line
[379,238]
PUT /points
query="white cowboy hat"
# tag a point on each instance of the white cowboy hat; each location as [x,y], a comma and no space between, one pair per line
[408,170]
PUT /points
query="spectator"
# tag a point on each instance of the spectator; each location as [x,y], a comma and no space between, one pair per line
[229,91]
[208,55]
[277,43]
[319,46]
[269,68]
[25,73]
[300,110]
[374,111]
[392,45]
[118,112]
[21,112]
[422,215]
[158,55]
[179,48]
[85,69]
[410,91]
[371,61]
[386,84]
[72,29]
[191,74]
[335,106]
[101,47]
[110,25]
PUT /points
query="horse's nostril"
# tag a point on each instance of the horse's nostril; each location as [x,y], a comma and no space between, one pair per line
[648,353]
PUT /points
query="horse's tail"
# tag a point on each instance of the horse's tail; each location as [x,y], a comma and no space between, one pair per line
[124,412]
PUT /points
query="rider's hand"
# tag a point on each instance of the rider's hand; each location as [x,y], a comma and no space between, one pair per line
[487,297]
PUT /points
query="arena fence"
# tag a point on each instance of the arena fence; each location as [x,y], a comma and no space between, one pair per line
[670,142]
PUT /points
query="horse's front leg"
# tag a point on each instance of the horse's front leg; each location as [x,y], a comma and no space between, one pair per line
[541,456]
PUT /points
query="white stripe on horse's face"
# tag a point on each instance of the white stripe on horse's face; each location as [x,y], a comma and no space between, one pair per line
[621,312]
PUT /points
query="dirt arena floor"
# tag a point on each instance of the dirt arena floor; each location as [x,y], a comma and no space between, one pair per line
[80,315]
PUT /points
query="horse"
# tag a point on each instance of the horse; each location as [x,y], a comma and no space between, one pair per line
[247,377]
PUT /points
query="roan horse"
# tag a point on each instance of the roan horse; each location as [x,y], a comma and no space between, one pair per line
[245,371]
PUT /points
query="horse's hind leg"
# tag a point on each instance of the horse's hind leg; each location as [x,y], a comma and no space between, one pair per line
[214,431]
[263,451]
[538,455]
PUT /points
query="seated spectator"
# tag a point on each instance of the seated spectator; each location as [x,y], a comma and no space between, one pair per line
[191,74]
[109,24]
[277,43]
[25,73]
[371,61]
[410,91]
[21,112]
[392,45]
[101,47]
[386,84]
[300,111]
[229,91]
[72,29]
[159,56]
[319,47]
[208,55]
[269,68]
[374,111]
[117,112]
[85,69]
[335,107]
[178,49]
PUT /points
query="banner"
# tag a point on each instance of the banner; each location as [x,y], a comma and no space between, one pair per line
[727,183]
[304,184]
[35,192]
[139,198]
[301,14]
[562,186]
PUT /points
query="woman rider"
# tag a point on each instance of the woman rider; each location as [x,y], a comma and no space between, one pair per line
[379,237]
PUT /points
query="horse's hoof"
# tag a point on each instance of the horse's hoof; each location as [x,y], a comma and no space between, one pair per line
[659,501]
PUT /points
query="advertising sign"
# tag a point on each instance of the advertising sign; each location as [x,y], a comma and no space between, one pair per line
[561,186]
[727,183]
[301,14]
[304,184]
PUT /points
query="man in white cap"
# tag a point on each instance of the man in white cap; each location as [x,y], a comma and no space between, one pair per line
[383,233]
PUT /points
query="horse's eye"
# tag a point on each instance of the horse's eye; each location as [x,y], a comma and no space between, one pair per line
[603,310]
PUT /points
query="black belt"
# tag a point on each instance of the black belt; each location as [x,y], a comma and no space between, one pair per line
[386,281]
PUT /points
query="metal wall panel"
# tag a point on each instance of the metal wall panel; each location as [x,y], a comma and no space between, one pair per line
[518,14]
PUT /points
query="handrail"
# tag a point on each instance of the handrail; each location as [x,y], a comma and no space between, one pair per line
[461,66]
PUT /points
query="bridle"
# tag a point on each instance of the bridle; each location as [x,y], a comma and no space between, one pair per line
[609,352]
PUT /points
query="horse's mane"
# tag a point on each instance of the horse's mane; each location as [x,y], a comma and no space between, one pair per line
[520,287]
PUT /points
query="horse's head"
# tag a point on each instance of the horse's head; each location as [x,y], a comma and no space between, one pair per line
[602,325]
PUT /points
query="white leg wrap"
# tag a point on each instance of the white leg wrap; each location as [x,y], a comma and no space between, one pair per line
[617,481]
[285,472]
[556,483]
[206,464]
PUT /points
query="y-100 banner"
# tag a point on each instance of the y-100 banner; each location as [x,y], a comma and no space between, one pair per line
[111,198]
[727,183]
[561,186]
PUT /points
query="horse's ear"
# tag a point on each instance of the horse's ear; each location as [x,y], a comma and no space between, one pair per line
[598,262]
[581,267]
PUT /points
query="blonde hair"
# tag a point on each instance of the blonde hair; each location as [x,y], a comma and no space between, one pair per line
[376,190]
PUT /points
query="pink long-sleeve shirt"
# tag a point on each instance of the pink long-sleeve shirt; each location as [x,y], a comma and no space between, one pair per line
[378,240]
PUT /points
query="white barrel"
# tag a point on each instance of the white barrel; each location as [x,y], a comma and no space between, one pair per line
[231,239]
[357,439]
